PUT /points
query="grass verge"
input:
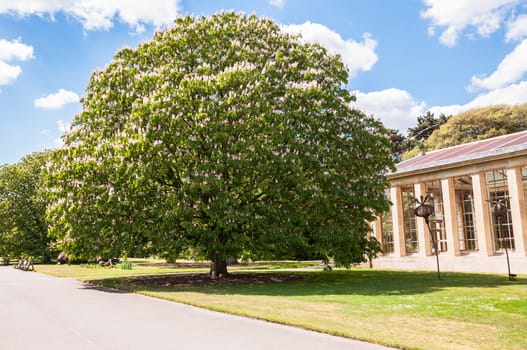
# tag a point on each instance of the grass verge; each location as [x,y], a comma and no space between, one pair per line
[411,310]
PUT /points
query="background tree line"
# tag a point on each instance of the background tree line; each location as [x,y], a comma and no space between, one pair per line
[437,132]
[23,226]
[23,198]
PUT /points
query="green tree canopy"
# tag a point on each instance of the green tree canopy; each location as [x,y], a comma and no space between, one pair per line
[476,124]
[414,140]
[226,135]
[23,229]
[426,125]
[399,144]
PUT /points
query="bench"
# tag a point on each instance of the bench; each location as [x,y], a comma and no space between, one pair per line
[25,265]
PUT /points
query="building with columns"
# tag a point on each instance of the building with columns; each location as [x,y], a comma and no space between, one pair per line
[463,182]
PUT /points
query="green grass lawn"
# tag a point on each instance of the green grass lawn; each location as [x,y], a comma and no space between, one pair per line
[157,267]
[92,271]
[404,309]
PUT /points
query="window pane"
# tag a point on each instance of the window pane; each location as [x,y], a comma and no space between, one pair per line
[437,219]
[499,192]
[410,231]
[466,227]
[387,229]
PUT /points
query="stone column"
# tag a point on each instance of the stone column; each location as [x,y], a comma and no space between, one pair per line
[423,236]
[399,246]
[482,214]
[518,211]
[449,212]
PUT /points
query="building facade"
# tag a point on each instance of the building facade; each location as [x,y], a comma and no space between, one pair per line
[463,182]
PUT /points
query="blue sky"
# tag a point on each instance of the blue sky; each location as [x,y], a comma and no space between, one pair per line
[405,57]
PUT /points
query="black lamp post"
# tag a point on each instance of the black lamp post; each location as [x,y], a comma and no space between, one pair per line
[424,210]
[499,210]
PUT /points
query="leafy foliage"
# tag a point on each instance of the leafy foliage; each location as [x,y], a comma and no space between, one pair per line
[413,142]
[399,144]
[476,124]
[23,232]
[373,246]
[225,135]
[426,125]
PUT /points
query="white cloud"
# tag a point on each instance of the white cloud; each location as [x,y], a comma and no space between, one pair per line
[277,3]
[510,95]
[517,28]
[15,50]
[56,100]
[358,56]
[63,128]
[396,108]
[98,14]
[8,73]
[12,51]
[511,69]
[448,110]
[485,16]
[449,37]
[506,85]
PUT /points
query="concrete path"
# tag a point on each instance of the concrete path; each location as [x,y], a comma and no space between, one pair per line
[48,313]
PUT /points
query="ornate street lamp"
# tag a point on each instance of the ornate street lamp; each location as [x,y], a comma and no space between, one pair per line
[499,210]
[424,210]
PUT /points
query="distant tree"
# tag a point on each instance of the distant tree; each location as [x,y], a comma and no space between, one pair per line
[426,125]
[479,124]
[225,135]
[373,247]
[415,137]
[399,144]
[23,232]
[415,141]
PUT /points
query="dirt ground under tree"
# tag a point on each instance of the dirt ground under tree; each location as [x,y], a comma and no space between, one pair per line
[203,279]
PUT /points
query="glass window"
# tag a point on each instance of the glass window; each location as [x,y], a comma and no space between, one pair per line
[387,229]
[524,182]
[437,219]
[466,227]
[410,231]
[498,191]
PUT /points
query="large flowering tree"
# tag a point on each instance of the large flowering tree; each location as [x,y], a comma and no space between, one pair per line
[226,135]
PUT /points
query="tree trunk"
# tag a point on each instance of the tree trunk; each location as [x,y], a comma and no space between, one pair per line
[218,266]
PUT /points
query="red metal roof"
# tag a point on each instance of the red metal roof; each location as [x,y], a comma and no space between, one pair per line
[465,152]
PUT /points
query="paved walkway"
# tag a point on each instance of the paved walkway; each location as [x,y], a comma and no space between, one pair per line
[48,313]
